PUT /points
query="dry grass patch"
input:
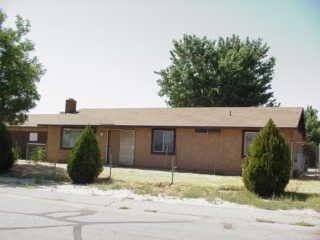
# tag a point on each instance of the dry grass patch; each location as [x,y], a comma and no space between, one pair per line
[39,172]
[299,194]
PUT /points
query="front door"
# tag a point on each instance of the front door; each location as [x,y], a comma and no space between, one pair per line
[126,151]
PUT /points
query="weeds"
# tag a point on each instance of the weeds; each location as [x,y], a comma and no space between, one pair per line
[263,220]
[303,224]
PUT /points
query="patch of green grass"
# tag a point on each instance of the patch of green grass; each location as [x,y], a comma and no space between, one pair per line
[263,220]
[303,224]
[287,201]
[124,208]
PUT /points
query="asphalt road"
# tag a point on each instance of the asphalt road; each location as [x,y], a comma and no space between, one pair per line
[33,213]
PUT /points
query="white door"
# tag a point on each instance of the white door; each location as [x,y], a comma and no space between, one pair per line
[126,153]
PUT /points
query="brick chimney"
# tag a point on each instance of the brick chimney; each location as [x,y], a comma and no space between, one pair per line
[71,106]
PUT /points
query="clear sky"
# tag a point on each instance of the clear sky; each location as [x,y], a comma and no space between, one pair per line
[104,53]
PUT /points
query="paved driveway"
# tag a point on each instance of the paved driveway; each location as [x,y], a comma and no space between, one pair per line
[37,213]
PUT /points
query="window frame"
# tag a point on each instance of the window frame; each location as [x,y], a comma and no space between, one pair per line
[173,152]
[61,135]
[243,154]
[200,130]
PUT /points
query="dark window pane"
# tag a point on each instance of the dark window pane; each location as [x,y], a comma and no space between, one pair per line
[168,141]
[70,137]
[163,141]
[157,141]
[248,138]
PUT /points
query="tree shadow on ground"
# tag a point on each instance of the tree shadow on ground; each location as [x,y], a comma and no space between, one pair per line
[106,180]
[298,196]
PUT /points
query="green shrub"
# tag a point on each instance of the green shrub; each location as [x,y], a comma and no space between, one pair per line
[38,179]
[84,163]
[7,157]
[16,152]
[266,170]
[38,154]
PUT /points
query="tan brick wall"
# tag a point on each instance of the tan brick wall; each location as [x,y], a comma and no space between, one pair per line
[198,151]
[213,152]
[143,156]
[54,152]
[231,154]
[219,151]
[102,138]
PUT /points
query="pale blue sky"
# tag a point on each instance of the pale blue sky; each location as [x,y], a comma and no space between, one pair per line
[104,53]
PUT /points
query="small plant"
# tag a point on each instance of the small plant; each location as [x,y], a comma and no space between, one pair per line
[124,208]
[7,156]
[227,226]
[38,154]
[38,179]
[85,164]
[266,170]
[151,210]
[16,152]
[296,174]
[263,220]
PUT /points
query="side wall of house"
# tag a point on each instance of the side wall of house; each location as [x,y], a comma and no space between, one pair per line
[214,152]
[218,152]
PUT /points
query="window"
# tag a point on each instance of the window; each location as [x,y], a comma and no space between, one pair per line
[163,141]
[69,137]
[207,130]
[248,137]
[33,137]
[201,130]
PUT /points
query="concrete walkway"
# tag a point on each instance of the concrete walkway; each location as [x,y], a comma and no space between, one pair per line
[46,213]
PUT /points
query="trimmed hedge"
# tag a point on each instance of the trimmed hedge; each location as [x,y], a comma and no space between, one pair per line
[266,170]
[84,163]
[7,157]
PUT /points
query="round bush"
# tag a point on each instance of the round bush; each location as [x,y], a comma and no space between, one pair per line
[7,156]
[266,170]
[84,163]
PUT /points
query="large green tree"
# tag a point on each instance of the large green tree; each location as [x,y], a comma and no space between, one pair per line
[224,72]
[7,156]
[19,71]
[312,125]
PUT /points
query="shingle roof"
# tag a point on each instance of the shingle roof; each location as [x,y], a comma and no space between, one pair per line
[286,117]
